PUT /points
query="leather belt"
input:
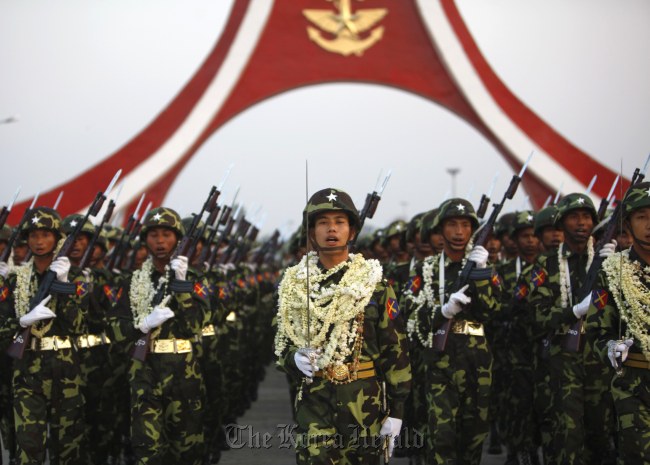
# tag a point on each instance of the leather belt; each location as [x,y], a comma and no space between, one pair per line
[635,360]
[171,346]
[468,328]
[347,372]
[208,331]
[91,340]
[50,343]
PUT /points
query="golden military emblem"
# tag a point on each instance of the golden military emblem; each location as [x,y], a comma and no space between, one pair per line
[348,27]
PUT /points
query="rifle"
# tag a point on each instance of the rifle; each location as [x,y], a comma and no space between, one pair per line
[230,219]
[14,234]
[573,340]
[141,348]
[132,238]
[98,230]
[116,256]
[4,214]
[484,203]
[604,203]
[240,233]
[370,207]
[441,335]
[20,342]
[266,248]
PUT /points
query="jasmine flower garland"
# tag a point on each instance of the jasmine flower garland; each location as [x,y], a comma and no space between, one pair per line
[624,279]
[565,279]
[333,308]
[143,290]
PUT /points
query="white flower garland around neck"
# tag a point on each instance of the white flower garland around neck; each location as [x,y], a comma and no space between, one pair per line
[565,279]
[624,280]
[26,287]
[142,290]
[333,308]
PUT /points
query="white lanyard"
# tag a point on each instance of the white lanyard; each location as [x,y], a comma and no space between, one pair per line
[518,267]
[441,278]
[568,281]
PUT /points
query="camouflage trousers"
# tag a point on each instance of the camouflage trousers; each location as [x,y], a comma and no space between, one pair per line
[47,390]
[7,431]
[415,408]
[166,409]
[458,397]
[214,400]
[631,393]
[520,431]
[339,424]
[544,409]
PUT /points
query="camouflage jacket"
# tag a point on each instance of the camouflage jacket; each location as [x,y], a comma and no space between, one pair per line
[604,321]
[484,289]
[189,302]
[551,318]
[69,302]
[384,343]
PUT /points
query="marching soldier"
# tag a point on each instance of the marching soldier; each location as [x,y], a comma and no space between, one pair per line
[550,234]
[458,378]
[617,322]
[397,269]
[47,379]
[166,387]
[571,433]
[355,354]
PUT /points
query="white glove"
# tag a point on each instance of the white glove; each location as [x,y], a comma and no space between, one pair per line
[157,317]
[305,362]
[479,255]
[617,349]
[38,313]
[391,428]
[4,269]
[580,310]
[608,249]
[179,265]
[61,266]
[456,302]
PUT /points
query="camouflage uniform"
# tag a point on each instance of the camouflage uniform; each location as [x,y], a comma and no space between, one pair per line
[606,325]
[167,389]
[458,379]
[340,415]
[575,428]
[47,382]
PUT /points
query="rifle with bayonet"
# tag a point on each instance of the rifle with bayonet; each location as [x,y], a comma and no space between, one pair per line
[240,234]
[484,203]
[442,333]
[267,247]
[117,254]
[98,230]
[20,342]
[135,234]
[245,245]
[6,210]
[229,222]
[16,231]
[141,348]
[573,340]
[370,206]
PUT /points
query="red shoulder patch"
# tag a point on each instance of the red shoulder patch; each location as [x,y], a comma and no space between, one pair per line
[4,293]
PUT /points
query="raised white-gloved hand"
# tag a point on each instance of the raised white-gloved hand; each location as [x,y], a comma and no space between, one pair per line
[617,349]
[391,428]
[157,317]
[608,249]
[479,255]
[456,302]
[61,266]
[4,269]
[38,313]
[179,265]
[580,310]
[305,361]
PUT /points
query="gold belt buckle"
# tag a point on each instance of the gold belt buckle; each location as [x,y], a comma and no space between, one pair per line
[208,330]
[163,346]
[459,327]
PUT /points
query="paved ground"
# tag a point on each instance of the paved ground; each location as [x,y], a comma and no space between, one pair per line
[262,433]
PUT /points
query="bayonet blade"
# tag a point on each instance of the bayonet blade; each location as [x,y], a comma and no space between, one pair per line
[493,185]
[225,177]
[118,192]
[548,201]
[108,190]
[383,185]
[559,192]
[645,167]
[11,204]
[611,191]
[591,184]
[523,168]
[137,209]
[35,200]
[58,200]
[146,210]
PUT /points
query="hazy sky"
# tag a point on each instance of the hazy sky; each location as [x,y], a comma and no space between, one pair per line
[85,77]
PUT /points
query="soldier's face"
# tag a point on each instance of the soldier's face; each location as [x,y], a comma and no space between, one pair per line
[577,226]
[639,224]
[457,232]
[20,252]
[79,248]
[332,229]
[493,246]
[161,242]
[437,242]
[527,242]
[551,237]
[41,242]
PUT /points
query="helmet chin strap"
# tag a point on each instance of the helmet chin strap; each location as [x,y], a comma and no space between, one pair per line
[636,239]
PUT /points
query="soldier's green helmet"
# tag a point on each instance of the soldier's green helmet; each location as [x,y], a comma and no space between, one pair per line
[413,227]
[504,224]
[426,224]
[70,222]
[331,199]
[637,197]
[455,208]
[112,233]
[101,240]
[545,217]
[162,217]
[575,201]
[523,219]
[42,218]
[396,228]
[187,222]
[5,233]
